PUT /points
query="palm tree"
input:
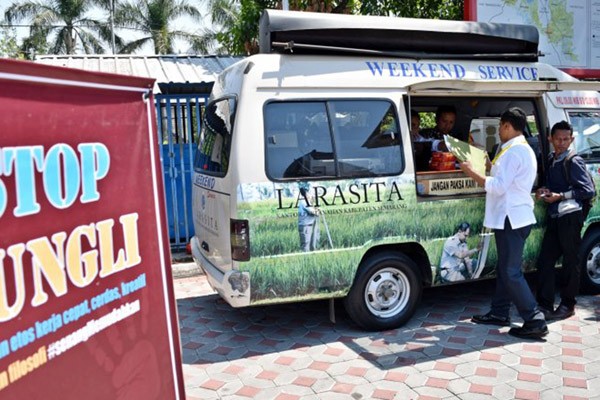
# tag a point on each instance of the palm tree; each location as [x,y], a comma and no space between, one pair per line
[67,20]
[153,18]
[218,39]
[109,7]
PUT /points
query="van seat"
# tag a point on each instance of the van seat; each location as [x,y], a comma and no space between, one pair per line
[280,139]
[282,149]
[352,140]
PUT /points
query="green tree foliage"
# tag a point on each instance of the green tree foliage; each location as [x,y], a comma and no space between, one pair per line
[154,18]
[239,35]
[59,26]
[234,26]
[242,38]
[223,16]
[36,43]
[8,44]
[429,9]
[65,26]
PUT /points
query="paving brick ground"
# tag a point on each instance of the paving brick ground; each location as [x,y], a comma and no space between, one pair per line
[293,352]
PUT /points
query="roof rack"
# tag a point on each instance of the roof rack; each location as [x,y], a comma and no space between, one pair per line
[298,32]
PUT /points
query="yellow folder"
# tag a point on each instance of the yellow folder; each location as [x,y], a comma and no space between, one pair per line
[463,151]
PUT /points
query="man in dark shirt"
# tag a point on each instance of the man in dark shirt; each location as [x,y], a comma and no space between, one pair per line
[562,237]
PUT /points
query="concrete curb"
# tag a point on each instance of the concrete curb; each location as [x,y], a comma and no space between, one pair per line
[185,269]
[184,266]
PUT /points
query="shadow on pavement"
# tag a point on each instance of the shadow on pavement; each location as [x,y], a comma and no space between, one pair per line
[212,331]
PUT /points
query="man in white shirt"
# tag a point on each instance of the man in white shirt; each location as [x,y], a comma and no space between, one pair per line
[509,212]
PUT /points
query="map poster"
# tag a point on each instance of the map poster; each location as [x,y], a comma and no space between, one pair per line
[569,29]
[86,299]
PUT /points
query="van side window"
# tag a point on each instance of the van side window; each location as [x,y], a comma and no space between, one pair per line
[298,140]
[212,154]
[586,130]
[332,139]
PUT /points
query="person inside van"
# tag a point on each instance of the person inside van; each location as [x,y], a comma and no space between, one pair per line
[445,118]
[415,127]
[421,145]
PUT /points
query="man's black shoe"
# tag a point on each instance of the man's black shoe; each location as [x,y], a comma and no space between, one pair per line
[547,313]
[529,332]
[563,312]
[491,319]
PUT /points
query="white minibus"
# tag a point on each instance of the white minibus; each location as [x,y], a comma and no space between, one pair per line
[307,185]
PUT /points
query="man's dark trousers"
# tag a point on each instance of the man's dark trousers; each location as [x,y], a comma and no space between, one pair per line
[511,285]
[562,237]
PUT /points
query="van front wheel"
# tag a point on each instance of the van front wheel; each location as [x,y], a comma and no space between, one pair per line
[590,263]
[385,293]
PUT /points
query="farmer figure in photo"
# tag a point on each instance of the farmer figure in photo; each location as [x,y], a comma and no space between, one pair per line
[457,259]
[308,221]
[568,188]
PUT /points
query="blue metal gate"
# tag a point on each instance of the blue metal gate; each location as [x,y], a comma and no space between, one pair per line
[179,119]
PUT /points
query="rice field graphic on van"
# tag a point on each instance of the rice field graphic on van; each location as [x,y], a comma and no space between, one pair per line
[307,238]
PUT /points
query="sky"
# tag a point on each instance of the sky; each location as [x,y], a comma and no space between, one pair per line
[182,24]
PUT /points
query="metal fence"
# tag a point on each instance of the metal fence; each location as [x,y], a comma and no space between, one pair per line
[179,119]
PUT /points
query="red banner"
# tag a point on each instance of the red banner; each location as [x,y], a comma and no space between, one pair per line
[86,299]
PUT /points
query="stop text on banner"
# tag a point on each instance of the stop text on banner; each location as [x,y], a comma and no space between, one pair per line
[67,176]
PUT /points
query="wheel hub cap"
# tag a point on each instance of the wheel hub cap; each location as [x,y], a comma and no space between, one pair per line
[387,292]
[593,264]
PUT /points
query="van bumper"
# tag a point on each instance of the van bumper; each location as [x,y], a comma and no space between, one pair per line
[233,286]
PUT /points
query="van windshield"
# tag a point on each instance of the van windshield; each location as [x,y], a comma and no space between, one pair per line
[212,154]
[586,130]
[332,139]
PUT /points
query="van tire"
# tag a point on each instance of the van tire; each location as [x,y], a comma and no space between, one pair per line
[385,293]
[590,263]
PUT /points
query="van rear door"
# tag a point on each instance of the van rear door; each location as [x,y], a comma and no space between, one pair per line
[447,86]
[544,91]
[211,189]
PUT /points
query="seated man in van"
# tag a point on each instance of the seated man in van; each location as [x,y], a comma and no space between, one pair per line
[445,118]
[421,146]
[415,127]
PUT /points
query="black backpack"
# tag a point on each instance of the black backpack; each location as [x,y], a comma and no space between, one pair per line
[586,204]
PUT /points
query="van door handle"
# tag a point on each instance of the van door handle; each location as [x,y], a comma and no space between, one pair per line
[204,246]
